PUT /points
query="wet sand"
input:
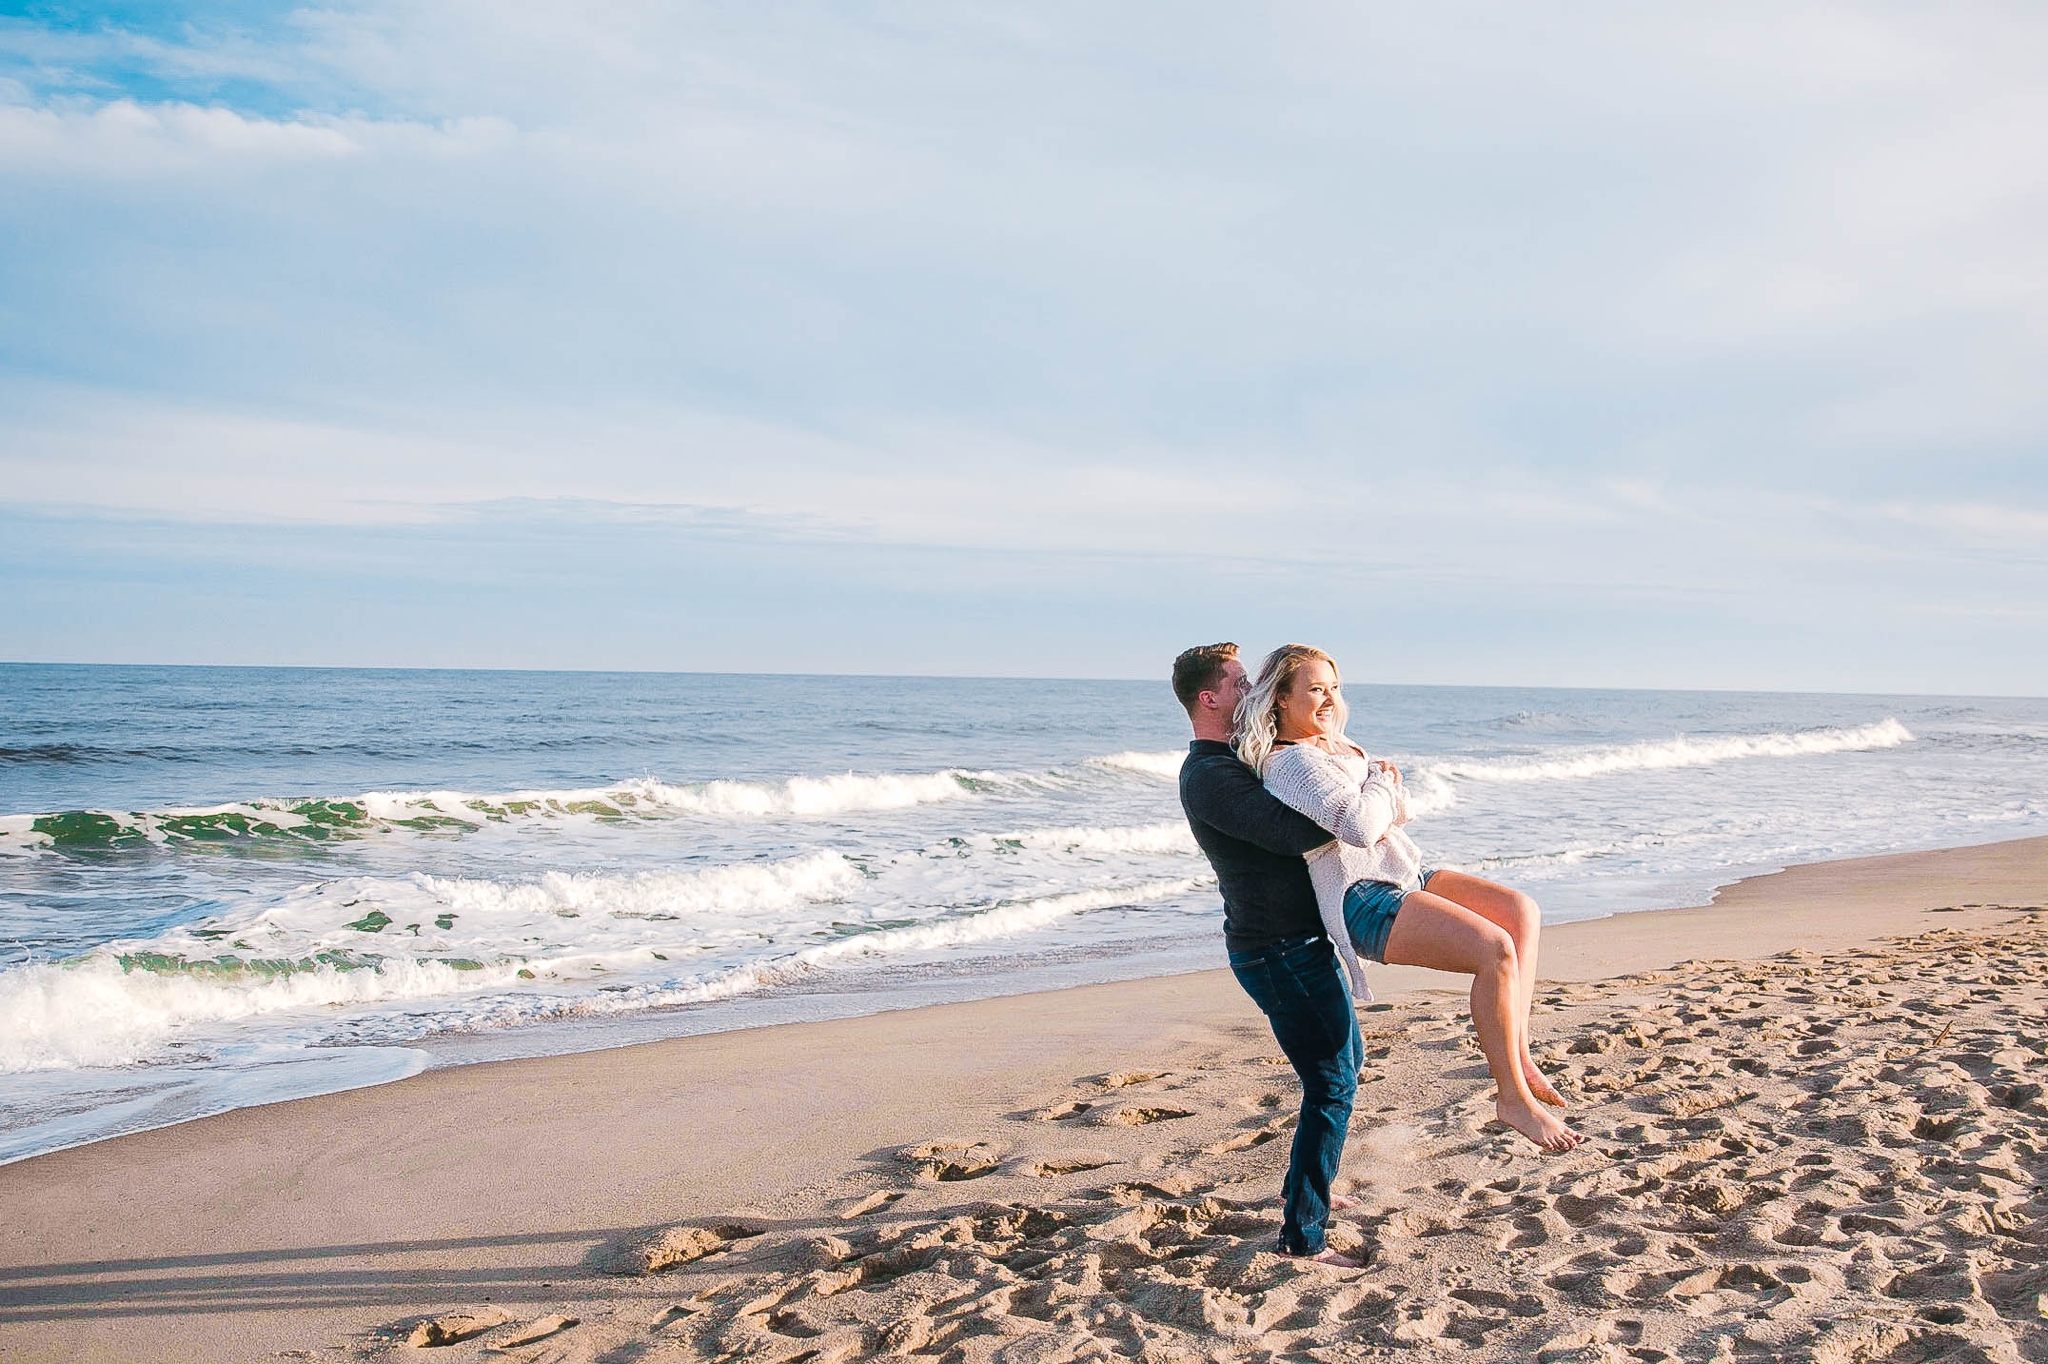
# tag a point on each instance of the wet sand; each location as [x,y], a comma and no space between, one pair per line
[1816,1109]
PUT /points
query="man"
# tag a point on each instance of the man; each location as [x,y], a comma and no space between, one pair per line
[1278,949]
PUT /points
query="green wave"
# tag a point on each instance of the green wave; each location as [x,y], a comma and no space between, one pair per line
[309,821]
[285,823]
[87,829]
[282,823]
[231,967]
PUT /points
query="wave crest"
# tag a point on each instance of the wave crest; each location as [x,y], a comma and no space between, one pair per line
[1679,751]
[1166,765]
[334,818]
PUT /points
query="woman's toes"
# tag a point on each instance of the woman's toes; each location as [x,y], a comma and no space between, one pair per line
[1543,1130]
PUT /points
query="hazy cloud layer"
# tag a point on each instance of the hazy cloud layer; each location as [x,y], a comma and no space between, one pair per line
[1721,331]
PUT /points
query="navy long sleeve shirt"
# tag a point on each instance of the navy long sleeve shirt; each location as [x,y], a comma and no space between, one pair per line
[1255,843]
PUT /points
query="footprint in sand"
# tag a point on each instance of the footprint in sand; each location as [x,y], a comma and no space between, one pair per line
[456,1326]
[1060,1112]
[874,1202]
[1141,1117]
[1243,1141]
[1509,1304]
[949,1162]
[533,1332]
[651,1253]
[1124,1079]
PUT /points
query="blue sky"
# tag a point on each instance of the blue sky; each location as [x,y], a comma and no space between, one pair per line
[1487,343]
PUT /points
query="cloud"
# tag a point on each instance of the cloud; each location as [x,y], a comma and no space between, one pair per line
[1492,299]
[127,139]
[1978,524]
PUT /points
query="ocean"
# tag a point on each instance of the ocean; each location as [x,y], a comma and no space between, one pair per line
[225,886]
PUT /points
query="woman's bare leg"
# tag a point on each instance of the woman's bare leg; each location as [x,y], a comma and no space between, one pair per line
[1434,932]
[1517,914]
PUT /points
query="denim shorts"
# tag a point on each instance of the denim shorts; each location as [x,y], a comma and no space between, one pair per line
[1369,910]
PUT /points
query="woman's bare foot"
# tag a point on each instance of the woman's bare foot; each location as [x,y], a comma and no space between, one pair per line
[1537,1125]
[1540,1086]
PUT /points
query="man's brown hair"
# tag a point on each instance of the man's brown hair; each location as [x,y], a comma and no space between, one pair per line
[1198,670]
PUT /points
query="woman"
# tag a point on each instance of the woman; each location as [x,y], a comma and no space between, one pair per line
[1375,895]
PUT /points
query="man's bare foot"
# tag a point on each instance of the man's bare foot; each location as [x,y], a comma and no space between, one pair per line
[1334,1259]
[1342,1202]
[1537,1125]
[1540,1086]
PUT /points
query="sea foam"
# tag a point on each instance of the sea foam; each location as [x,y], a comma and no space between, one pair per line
[1433,783]
[1169,837]
[1165,765]
[976,926]
[369,940]
[518,949]
[1679,751]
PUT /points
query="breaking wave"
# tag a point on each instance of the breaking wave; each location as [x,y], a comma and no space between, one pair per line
[1680,751]
[1434,781]
[369,940]
[480,952]
[1165,765]
[345,817]
[338,818]
[1432,784]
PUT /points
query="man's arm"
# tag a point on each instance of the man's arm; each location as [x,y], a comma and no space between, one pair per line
[1225,793]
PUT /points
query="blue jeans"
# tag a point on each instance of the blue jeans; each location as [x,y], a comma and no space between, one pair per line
[1298,985]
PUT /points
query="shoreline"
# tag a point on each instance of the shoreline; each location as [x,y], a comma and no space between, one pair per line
[360,1206]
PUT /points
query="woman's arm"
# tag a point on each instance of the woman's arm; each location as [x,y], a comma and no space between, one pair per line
[1312,782]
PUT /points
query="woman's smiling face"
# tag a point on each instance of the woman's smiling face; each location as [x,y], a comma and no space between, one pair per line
[1307,705]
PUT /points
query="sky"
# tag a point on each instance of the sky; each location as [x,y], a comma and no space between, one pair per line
[1480,343]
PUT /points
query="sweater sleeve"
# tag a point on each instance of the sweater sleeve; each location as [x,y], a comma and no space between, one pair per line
[1359,813]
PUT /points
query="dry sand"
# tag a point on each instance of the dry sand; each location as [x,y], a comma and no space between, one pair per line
[1817,1111]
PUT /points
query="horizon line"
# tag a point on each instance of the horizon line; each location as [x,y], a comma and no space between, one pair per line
[1161,680]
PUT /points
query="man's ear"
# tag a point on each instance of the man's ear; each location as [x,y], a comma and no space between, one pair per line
[1207,700]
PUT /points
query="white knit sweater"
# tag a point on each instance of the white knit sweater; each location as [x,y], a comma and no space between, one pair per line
[1364,807]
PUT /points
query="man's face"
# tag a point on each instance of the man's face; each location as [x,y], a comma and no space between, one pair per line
[1230,687]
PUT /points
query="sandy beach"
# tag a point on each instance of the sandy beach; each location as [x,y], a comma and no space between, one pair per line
[1816,1108]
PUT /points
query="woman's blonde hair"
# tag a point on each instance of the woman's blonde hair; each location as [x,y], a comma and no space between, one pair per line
[1258,714]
